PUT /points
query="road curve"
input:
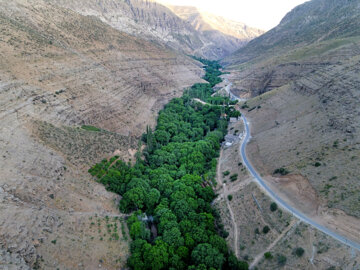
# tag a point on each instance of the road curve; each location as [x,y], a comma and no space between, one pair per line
[281,202]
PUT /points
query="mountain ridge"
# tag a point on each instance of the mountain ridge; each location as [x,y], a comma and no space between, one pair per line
[155,22]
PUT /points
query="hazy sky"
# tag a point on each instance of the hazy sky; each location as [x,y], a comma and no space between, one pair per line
[263,14]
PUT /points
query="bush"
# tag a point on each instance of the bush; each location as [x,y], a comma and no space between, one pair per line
[281,171]
[226,173]
[273,207]
[281,259]
[268,255]
[299,251]
[257,231]
[230,197]
[233,177]
[266,229]
[317,164]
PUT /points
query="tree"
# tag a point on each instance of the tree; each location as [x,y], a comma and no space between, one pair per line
[173,237]
[268,255]
[162,137]
[152,198]
[266,229]
[273,207]
[299,251]
[157,257]
[281,259]
[208,255]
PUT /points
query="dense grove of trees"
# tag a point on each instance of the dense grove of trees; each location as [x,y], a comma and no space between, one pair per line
[169,192]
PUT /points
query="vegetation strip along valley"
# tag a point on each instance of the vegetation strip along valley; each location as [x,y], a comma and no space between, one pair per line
[169,190]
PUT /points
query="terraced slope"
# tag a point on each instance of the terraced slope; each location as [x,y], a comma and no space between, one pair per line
[58,71]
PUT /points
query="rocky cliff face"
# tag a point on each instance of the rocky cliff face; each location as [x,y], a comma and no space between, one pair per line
[226,34]
[155,22]
[204,21]
[306,117]
[58,71]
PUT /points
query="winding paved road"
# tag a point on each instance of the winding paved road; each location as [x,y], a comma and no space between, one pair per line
[281,202]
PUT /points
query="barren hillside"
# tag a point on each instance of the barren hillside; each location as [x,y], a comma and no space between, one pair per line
[58,71]
[153,21]
[304,75]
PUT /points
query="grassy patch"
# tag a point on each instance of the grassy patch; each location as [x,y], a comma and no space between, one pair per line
[90,128]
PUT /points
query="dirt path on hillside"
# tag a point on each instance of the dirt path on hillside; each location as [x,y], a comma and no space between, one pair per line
[224,192]
[261,254]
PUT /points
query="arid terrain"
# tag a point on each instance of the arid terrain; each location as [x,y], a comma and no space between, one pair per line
[301,80]
[55,76]
[153,21]
[248,212]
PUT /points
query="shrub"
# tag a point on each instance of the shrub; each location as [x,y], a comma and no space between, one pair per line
[53,241]
[268,255]
[266,229]
[230,197]
[233,177]
[281,171]
[317,164]
[273,207]
[299,251]
[257,231]
[226,173]
[281,259]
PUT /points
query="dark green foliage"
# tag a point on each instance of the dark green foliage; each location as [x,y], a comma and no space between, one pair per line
[226,173]
[208,255]
[299,251]
[212,71]
[281,171]
[266,229]
[170,190]
[273,207]
[234,177]
[230,197]
[257,231]
[268,255]
[317,164]
[234,264]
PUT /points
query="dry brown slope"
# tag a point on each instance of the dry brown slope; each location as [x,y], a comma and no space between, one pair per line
[59,70]
[309,121]
[311,127]
[152,21]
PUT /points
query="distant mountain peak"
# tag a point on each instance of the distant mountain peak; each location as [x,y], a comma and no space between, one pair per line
[206,21]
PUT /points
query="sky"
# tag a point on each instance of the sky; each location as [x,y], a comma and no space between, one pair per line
[263,14]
